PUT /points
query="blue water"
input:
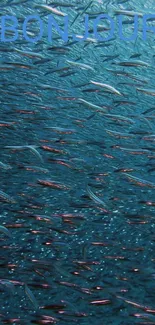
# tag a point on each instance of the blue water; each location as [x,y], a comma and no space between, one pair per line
[77,168]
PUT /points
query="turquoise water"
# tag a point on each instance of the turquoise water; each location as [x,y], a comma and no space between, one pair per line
[77,168]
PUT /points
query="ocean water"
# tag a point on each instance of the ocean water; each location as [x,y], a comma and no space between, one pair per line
[77,164]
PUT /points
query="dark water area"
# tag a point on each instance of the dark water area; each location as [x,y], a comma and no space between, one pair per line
[77,167]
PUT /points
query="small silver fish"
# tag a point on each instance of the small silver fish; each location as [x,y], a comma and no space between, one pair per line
[31,297]
[94,197]
[5,231]
[6,197]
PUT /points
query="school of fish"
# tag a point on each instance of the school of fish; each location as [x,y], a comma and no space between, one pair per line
[77,168]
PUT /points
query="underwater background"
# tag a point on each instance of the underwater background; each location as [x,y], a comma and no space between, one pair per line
[77,167]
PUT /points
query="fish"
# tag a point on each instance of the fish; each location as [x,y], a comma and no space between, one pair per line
[147,91]
[8,284]
[80,65]
[29,54]
[52,184]
[91,105]
[4,166]
[50,9]
[4,196]
[31,297]
[95,198]
[139,181]
[128,13]
[119,135]
[137,63]
[121,118]
[82,12]
[5,231]
[31,147]
[110,88]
